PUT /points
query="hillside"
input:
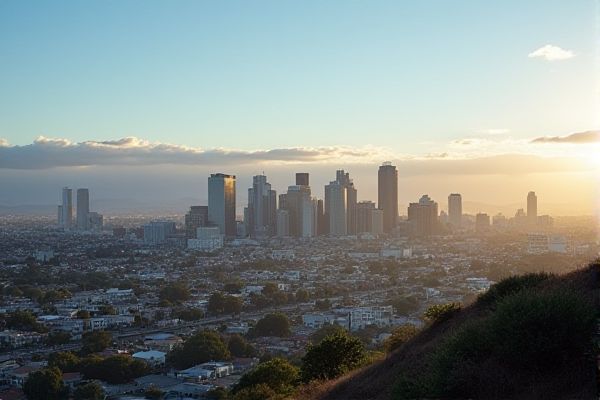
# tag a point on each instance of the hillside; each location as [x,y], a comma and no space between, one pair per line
[528,337]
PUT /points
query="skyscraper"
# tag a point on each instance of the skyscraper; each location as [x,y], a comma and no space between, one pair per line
[302,179]
[455,210]
[364,216]
[221,203]
[262,207]
[351,198]
[67,208]
[423,217]
[194,219]
[387,187]
[335,208]
[532,212]
[298,203]
[482,223]
[83,209]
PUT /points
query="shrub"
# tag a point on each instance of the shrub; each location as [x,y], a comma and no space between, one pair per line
[441,312]
[512,285]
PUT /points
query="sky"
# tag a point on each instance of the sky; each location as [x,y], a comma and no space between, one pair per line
[491,99]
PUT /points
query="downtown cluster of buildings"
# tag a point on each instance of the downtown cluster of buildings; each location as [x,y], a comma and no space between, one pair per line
[85,220]
[296,213]
[299,214]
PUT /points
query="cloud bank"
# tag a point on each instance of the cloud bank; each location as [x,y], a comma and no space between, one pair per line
[586,137]
[55,152]
[550,52]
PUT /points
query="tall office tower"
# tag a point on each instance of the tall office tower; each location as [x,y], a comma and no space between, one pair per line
[83,209]
[335,208]
[195,218]
[283,223]
[95,221]
[157,232]
[387,188]
[302,179]
[455,210]
[423,217]
[262,206]
[67,207]
[532,212]
[364,216]
[351,198]
[321,224]
[221,203]
[298,203]
[482,223]
[377,222]
[60,216]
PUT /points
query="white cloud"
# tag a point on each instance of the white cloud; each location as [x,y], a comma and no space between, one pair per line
[550,52]
[494,131]
[4,143]
[55,152]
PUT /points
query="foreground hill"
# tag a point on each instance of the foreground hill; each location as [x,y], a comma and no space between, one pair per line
[528,337]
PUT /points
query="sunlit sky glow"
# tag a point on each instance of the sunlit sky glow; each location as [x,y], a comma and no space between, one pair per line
[252,86]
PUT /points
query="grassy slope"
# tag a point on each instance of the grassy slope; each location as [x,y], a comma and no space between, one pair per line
[376,381]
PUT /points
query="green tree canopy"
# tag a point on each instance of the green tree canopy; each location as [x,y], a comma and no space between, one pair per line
[89,391]
[202,347]
[277,374]
[239,347]
[400,335]
[115,369]
[275,324]
[333,356]
[45,384]
[95,341]
[65,361]
[175,293]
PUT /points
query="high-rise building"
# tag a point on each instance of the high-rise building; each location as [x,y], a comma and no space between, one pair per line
[335,208]
[387,187]
[262,206]
[302,179]
[455,210]
[67,208]
[156,232]
[321,223]
[283,223]
[83,209]
[532,209]
[95,221]
[351,199]
[377,221]
[195,218]
[298,203]
[423,217]
[482,223]
[368,218]
[221,203]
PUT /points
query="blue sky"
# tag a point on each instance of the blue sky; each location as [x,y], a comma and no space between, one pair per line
[119,95]
[270,74]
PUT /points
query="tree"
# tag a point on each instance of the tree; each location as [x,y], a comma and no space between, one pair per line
[58,338]
[404,305]
[202,347]
[115,369]
[24,321]
[175,293]
[400,335]
[65,361]
[332,357]
[233,287]
[95,341]
[153,393]
[277,374]
[322,305]
[302,296]
[239,347]
[89,391]
[441,312]
[257,392]
[83,314]
[324,331]
[189,314]
[218,303]
[45,384]
[107,309]
[275,324]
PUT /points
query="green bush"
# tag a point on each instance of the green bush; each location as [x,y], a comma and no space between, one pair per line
[530,334]
[513,285]
[441,312]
